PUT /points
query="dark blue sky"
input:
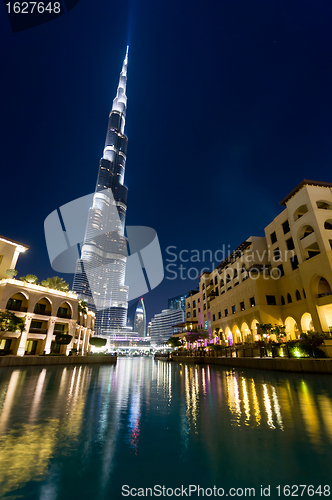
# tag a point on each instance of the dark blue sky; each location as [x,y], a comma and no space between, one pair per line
[229,108]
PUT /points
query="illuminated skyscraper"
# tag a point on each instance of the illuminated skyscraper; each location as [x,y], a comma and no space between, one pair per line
[100,272]
[137,318]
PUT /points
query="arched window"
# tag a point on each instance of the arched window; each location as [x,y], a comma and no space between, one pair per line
[289,298]
[323,205]
[282,300]
[235,273]
[222,282]
[328,224]
[324,288]
[303,209]
[228,278]
[305,231]
[298,295]
[216,280]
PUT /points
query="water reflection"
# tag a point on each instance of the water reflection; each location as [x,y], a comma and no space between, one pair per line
[105,420]
[253,404]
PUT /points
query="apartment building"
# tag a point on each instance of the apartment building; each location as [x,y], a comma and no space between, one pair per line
[284,277]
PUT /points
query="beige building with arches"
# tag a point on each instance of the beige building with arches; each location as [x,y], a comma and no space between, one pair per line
[46,311]
[284,277]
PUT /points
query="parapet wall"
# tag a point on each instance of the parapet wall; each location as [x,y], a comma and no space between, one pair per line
[304,365]
[55,360]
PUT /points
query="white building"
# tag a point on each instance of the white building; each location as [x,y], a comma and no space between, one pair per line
[162,324]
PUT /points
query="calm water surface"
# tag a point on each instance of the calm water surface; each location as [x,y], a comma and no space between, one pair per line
[83,432]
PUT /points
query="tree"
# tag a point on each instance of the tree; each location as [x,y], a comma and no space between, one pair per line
[56,283]
[11,273]
[82,307]
[277,330]
[216,333]
[97,341]
[63,338]
[29,278]
[174,342]
[9,322]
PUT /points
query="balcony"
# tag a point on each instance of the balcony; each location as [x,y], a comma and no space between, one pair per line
[38,330]
[63,315]
[17,308]
[43,313]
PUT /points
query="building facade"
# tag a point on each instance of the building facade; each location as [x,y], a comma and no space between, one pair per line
[178,302]
[137,318]
[282,278]
[100,273]
[46,312]
[9,253]
[161,328]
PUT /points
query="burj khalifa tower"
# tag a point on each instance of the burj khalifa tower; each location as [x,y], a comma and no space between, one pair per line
[100,272]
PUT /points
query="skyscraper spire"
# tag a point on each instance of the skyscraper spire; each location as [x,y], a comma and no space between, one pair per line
[100,272]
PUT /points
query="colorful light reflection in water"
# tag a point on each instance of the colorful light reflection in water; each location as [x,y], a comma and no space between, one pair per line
[82,432]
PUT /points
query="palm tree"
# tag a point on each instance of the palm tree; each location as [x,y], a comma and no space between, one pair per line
[11,273]
[9,322]
[29,278]
[82,307]
[56,283]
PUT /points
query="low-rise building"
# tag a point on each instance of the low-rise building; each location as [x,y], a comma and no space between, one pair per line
[284,277]
[46,312]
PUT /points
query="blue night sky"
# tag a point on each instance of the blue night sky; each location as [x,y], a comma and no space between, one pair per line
[229,108]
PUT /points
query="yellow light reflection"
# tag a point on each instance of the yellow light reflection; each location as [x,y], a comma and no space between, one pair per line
[246,402]
[326,411]
[268,407]
[309,414]
[233,395]
[26,457]
[257,411]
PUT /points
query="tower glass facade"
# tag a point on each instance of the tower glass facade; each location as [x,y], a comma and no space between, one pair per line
[100,272]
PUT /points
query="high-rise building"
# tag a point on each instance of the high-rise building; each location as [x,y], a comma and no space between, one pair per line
[137,318]
[162,324]
[100,272]
[178,302]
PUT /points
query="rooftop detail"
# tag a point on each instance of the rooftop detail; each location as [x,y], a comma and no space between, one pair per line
[20,247]
[305,182]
